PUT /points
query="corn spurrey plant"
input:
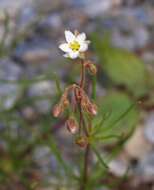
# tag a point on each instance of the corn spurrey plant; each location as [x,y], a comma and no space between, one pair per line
[76,99]
[83,111]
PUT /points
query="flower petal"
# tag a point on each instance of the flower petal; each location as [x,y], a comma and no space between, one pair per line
[73,55]
[69,36]
[81,37]
[66,55]
[83,47]
[64,47]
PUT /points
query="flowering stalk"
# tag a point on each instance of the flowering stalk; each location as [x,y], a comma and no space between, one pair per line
[75,96]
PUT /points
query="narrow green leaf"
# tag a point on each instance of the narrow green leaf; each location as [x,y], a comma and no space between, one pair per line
[104,165]
[97,126]
[102,137]
[68,170]
[120,117]
[57,81]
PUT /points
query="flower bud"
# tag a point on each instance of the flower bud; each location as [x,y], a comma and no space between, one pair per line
[82,142]
[72,125]
[57,110]
[92,68]
[82,55]
[76,32]
[92,109]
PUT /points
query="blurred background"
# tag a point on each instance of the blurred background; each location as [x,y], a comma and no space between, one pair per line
[36,151]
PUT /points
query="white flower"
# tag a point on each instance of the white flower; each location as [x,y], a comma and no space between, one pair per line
[75,44]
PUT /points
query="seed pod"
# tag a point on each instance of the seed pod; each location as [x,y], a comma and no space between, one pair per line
[82,142]
[72,125]
[84,104]
[92,109]
[57,110]
[78,93]
[65,103]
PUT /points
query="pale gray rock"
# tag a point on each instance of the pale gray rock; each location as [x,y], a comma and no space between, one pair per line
[137,146]
[29,113]
[149,128]
[44,158]
[12,7]
[10,70]
[136,38]
[9,94]
[46,6]
[43,91]
[148,56]
[146,167]
[42,88]
[99,7]
[10,90]
[39,50]
[118,167]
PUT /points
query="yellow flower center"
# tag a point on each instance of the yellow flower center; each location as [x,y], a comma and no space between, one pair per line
[75,46]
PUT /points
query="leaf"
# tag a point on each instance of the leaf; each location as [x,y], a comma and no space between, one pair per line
[104,165]
[55,150]
[122,66]
[58,86]
[123,115]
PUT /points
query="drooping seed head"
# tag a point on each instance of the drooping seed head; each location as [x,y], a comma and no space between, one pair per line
[78,94]
[65,103]
[57,110]
[72,125]
[92,109]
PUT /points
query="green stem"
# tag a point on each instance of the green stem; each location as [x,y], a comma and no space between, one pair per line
[85,171]
[82,75]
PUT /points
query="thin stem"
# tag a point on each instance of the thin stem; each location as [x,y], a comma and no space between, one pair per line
[85,171]
[81,86]
[82,122]
[82,74]
[86,165]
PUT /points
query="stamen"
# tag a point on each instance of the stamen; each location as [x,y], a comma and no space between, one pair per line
[75,46]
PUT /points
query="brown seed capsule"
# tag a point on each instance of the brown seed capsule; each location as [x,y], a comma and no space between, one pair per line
[57,110]
[72,125]
[65,103]
[82,142]
[87,63]
[92,109]
[78,93]
[84,104]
